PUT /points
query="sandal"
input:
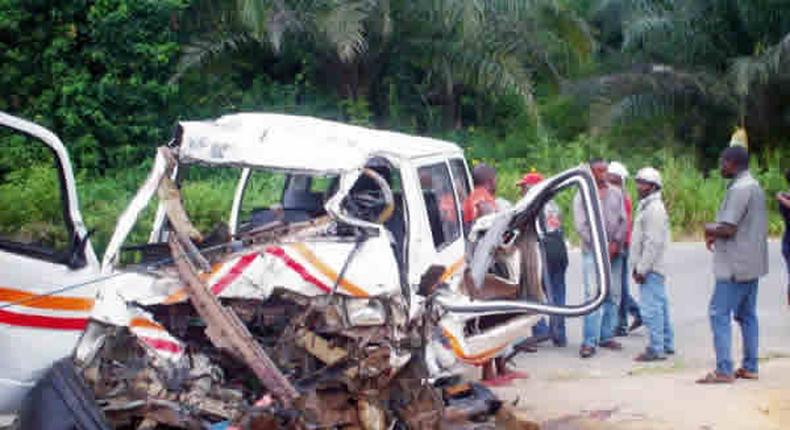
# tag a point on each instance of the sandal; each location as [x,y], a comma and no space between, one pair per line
[497,381]
[745,374]
[716,378]
[514,374]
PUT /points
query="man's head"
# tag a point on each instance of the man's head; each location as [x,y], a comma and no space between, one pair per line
[528,181]
[734,160]
[599,169]
[648,181]
[484,176]
[617,174]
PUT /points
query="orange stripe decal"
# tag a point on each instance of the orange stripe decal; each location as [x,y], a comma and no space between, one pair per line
[476,359]
[450,271]
[327,271]
[138,322]
[35,301]
[181,294]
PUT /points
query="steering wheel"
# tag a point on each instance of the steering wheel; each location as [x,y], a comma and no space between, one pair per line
[373,205]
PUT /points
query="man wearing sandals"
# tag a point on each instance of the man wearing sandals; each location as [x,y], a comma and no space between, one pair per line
[599,325]
[649,242]
[740,258]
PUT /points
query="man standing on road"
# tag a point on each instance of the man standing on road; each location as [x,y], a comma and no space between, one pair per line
[481,201]
[650,240]
[553,244]
[738,239]
[617,176]
[784,209]
[599,325]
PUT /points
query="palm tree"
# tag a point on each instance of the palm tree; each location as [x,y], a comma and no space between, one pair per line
[452,46]
[700,59]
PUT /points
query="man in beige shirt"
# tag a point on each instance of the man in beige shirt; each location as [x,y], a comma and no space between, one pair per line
[649,242]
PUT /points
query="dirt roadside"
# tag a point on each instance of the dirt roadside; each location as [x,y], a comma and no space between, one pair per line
[662,396]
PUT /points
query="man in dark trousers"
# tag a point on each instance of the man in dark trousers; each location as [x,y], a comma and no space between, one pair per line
[738,240]
[784,208]
[617,175]
[553,244]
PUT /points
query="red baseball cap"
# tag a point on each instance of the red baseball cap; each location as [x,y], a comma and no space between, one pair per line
[530,179]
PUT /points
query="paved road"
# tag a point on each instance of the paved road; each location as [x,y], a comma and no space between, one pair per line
[611,391]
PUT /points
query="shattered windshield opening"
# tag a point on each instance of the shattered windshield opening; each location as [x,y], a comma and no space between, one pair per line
[270,197]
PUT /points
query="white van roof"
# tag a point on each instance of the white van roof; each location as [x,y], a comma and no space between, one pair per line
[296,143]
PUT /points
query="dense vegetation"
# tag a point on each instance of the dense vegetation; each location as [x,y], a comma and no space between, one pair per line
[523,84]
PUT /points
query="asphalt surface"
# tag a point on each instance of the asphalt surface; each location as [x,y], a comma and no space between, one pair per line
[610,390]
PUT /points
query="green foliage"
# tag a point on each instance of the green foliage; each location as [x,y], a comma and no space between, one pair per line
[94,71]
[31,202]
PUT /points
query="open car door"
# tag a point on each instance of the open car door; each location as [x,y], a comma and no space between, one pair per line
[43,254]
[499,308]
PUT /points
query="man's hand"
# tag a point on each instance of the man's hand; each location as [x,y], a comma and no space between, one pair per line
[783,199]
[614,248]
[638,278]
[709,241]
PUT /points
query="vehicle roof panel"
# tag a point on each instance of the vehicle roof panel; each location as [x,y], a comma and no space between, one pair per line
[296,143]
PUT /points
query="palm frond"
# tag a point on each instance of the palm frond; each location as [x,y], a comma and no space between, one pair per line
[643,30]
[202,51]
[267,20]
[648,90]
[344,27]
[746,72]
[482,66]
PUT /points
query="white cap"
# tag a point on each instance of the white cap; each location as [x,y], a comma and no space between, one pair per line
[617,168]
[649,175]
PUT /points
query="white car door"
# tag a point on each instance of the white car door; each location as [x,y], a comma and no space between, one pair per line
[44,252]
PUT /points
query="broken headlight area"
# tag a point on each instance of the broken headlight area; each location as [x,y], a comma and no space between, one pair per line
[353,363]
[365,312]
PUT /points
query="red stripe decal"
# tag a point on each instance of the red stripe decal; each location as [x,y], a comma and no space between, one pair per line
[40,321]
[162,344]
[233,273]
[296,267]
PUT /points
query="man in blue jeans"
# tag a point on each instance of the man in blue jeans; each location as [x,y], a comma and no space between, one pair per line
[784,209]
[649,243]
[599,326]
[617,176]
[552,241]
[740,258]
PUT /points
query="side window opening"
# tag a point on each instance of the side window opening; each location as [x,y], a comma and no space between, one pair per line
[33,218]
[264,193]
[441,203]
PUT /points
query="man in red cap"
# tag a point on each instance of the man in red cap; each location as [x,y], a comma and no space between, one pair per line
[552,239]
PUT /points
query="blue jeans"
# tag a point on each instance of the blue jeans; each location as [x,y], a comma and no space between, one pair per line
[655,312]
[627,304]
[786,254]
[555,329]
[738,299]
[599,325]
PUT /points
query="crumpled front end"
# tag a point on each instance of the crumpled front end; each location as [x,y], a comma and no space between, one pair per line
[298,325]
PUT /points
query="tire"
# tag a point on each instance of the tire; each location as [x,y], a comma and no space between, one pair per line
[61,401]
